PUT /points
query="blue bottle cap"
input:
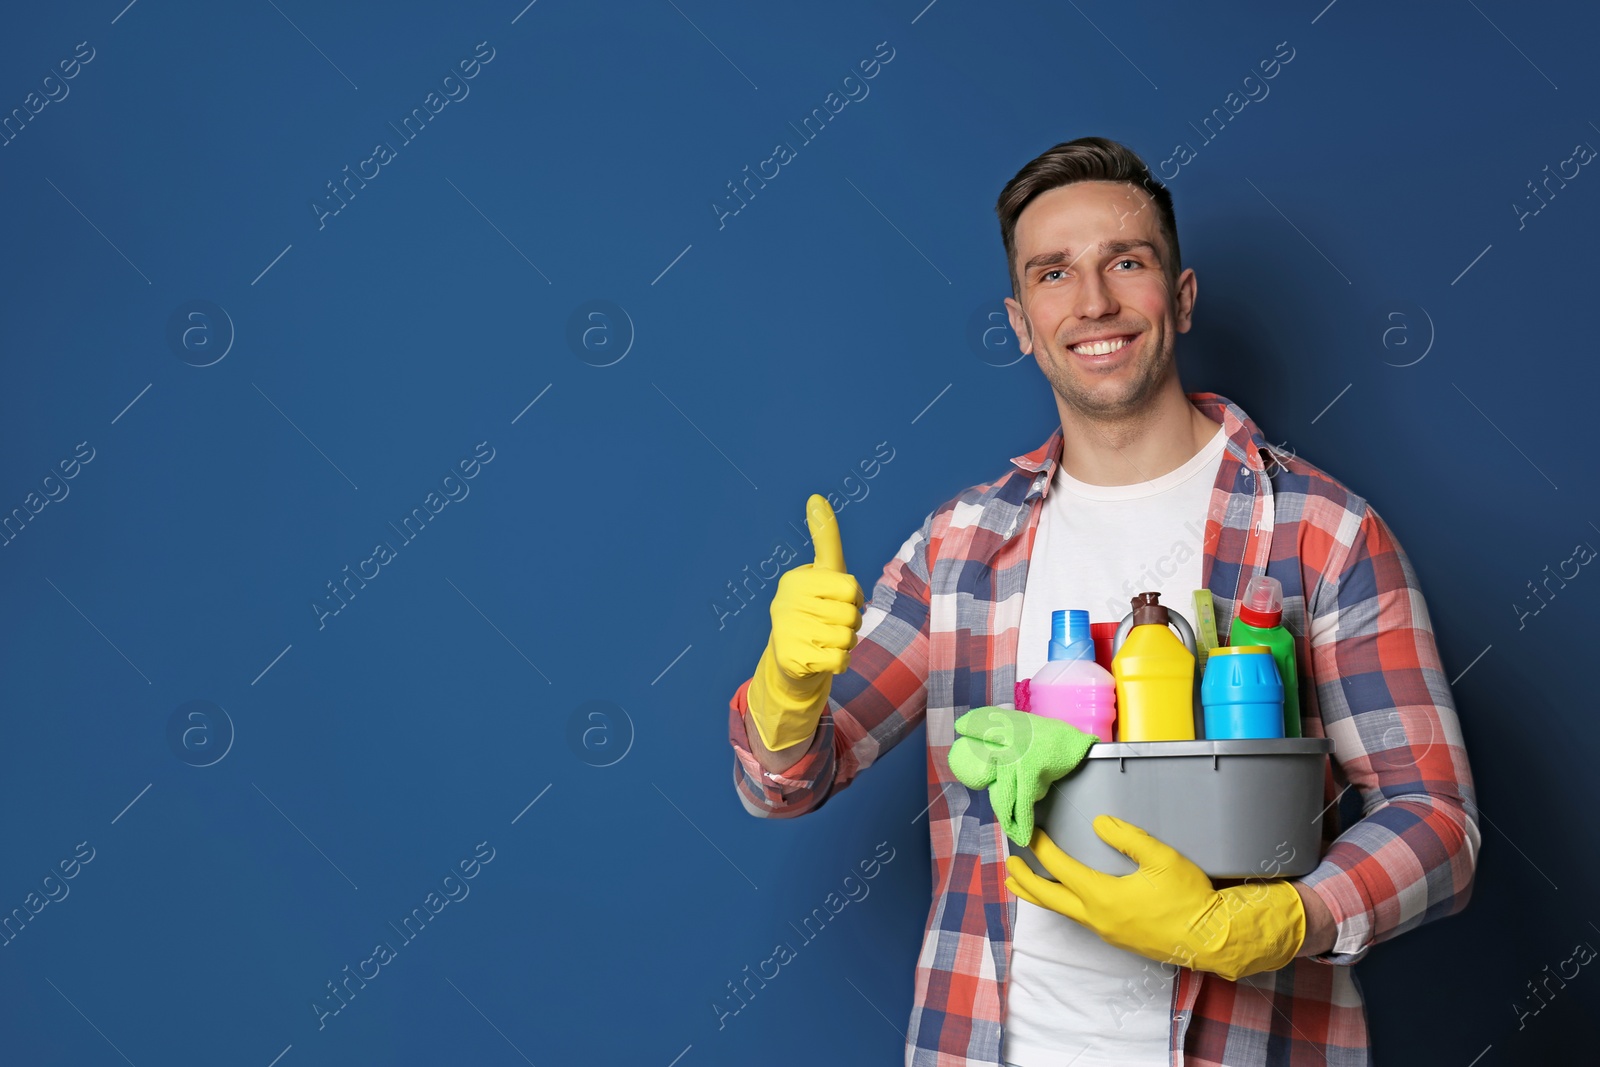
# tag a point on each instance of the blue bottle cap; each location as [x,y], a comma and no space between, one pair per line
[1069,635]
[1077,625]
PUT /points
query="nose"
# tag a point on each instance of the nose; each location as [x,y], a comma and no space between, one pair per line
[1093,298]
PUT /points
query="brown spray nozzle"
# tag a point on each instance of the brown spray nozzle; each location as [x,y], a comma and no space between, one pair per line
[1147,609]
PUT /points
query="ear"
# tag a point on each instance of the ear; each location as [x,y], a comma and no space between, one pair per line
[1188,289]
[1021,325]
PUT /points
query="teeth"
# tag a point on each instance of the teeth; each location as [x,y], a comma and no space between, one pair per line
[1099,348]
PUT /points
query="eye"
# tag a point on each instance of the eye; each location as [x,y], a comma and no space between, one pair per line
[1046,275]
[1135,262]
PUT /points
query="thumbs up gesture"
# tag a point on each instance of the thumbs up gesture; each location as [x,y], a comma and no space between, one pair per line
[816,612]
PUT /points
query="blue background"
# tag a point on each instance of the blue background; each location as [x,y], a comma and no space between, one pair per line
[763,358]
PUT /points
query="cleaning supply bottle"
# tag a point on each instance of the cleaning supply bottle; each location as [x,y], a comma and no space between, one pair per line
[1104,635]
[1072,687]
[1260,622]
[1243,694]
[1154,671]
[1205,628]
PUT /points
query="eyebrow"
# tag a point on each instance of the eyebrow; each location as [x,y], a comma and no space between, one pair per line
[1051,259]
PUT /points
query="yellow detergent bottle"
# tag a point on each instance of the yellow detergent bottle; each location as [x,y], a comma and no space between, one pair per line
[1154,671]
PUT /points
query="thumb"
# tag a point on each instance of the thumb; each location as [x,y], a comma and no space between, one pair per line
[824,526]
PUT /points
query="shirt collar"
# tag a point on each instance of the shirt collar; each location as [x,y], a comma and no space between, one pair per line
[1245,442]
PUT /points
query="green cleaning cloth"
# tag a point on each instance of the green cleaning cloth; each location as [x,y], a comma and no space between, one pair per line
[1017,756]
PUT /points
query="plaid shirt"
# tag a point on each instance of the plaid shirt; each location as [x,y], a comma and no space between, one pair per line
[939,636]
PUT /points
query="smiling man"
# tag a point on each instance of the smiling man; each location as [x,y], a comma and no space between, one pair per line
[1011,973]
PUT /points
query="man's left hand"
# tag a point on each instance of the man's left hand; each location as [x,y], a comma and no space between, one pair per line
[1166,910]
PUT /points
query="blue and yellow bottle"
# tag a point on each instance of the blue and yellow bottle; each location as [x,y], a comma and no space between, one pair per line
[1242,693]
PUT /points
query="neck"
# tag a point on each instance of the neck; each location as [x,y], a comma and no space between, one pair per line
[1136,447]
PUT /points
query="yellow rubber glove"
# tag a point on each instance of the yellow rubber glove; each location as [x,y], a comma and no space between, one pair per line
[816,612]
[1167,910]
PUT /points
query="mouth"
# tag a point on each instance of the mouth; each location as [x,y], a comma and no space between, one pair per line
[1106,350]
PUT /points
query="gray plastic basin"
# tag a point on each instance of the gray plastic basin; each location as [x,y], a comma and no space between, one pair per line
[1238,809]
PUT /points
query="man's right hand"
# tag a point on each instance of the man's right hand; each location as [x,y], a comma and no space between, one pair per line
[816,612]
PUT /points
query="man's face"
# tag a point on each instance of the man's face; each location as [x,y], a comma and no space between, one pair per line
[1091,265]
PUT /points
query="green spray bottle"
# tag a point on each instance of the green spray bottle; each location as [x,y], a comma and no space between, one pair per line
[1260,623]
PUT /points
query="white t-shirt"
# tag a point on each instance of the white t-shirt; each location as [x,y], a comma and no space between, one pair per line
[1074,998]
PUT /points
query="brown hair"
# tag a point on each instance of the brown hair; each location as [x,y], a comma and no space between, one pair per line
[1086,159]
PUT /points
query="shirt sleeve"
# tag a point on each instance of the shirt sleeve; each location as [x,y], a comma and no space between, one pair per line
[872,705]
[1386,704]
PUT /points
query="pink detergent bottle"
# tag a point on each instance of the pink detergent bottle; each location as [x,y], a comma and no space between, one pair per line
[1072,687]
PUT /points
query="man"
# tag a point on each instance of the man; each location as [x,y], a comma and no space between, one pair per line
[1143,487]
